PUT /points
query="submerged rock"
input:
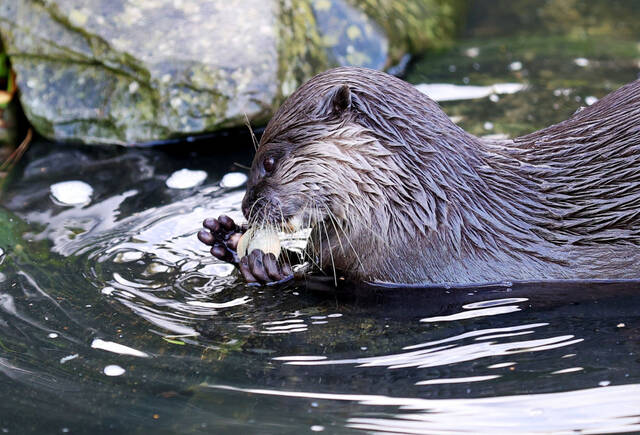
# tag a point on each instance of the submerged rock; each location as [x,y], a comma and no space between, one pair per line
[131,71]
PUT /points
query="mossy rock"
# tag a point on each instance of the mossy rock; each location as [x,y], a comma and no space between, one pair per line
[134,71]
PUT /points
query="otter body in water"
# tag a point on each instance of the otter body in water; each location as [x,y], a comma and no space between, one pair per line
[397,192]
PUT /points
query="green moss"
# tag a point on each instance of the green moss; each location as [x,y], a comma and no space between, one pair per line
[415,26]
[300,51]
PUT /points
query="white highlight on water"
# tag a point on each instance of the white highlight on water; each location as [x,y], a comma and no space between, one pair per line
[300,358]
[515,66]
[493,303]
[457,380]
[121,349]
[581,61]
[185,179]
[609,409]
[154,268]
[472,52]
[474,313]
[501,365]
[590,100]
[569,370]
[68,358]
[107,291]
[71,192]
[113,370]
[128,256]
[232,303]
[451,92]
[233,179]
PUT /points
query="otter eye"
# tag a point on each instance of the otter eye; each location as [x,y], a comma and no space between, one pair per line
[268,164]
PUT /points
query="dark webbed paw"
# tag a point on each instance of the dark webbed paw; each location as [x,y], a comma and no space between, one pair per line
[262,268]
[222,235]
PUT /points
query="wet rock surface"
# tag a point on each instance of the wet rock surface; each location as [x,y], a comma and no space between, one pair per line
[133,71]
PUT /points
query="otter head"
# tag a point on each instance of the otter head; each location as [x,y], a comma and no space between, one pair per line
[354,147]
[296,179]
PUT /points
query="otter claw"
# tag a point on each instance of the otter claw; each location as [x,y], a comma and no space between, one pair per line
[226,222]
[246,271]
[206,237]
[262,268]
[271,267]
[219,251]
[211,224]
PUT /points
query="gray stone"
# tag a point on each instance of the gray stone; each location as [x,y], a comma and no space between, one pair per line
[132,71]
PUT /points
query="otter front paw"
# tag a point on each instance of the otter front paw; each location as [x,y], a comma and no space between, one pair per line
[222,235]
[262,268]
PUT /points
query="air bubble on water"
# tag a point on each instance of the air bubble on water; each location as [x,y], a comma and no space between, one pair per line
[233,179]
[71,192]
[113,370]
[472,51]
[581,61]
[515,66]
[590,100]
[185,179]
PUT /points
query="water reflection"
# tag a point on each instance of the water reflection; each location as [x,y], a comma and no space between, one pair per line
[102,298]
[456,350]
[616,408]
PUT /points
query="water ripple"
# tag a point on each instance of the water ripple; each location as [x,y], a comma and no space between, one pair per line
[617,409]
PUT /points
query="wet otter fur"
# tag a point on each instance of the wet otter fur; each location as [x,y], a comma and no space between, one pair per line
[397,192]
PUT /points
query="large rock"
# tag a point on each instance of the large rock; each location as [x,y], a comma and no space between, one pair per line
[132,71]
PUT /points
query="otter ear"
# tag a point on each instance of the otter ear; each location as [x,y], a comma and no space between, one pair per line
[337,101]
[341,99]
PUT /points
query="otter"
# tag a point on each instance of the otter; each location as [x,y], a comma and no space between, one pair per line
[396,192]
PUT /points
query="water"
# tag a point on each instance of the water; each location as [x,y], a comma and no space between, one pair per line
[113,318]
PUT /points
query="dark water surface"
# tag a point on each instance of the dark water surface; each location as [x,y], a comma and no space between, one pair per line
[113,319]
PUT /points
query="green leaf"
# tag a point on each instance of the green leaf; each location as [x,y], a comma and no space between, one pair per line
[172,341]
